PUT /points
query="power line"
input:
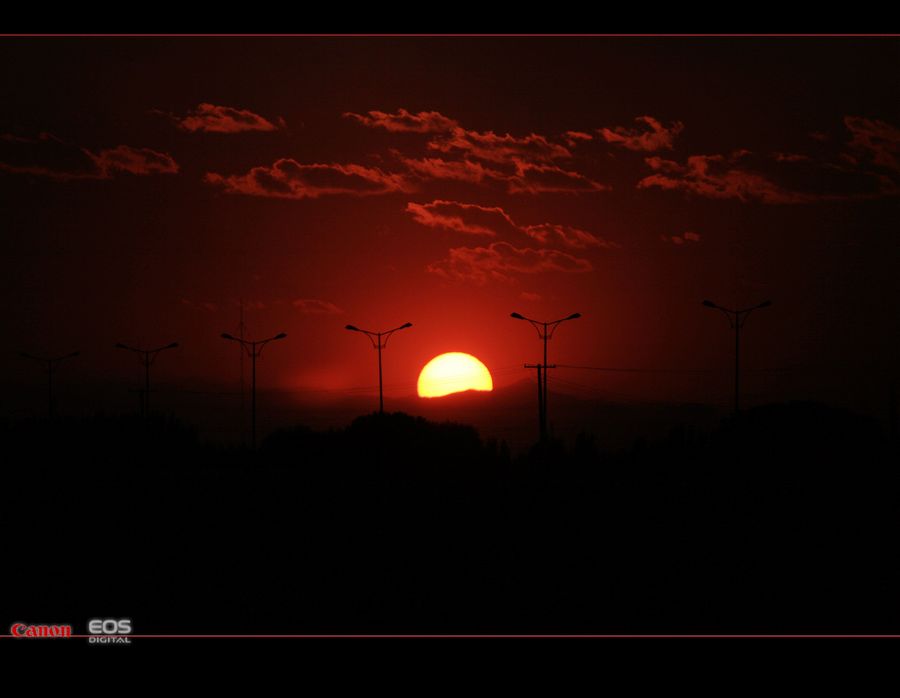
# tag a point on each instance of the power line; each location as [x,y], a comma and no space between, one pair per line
[615,369]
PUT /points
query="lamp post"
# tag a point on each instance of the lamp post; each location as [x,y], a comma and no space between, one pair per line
[545,331]
[51,364]
[379,341]
[147,358]
[253,349]
[736,319]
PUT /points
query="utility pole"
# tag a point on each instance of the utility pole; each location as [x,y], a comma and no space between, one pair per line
[542,425]
[545,332]
[254,350]
[147,359]
[379,341]
[243,386]
[736,320]
[892,412]
[51,365]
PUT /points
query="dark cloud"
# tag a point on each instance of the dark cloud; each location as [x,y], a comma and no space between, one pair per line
[138,161]
[783,178]
[876,139]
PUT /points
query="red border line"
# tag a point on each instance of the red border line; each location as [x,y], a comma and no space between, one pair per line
[327,35]
[485,636]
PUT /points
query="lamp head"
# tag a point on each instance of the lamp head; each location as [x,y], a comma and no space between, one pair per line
[352,328]
[225,335]
[280,335]
[119,345]
[710,304]
[172,345]
[574,316]
[764,304]
[517,316]
[408,324]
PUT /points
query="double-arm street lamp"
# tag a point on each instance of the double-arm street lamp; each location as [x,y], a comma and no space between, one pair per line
[379,341]
[51,364]
[545,332]
[253,349]
[736,319]
[147,358]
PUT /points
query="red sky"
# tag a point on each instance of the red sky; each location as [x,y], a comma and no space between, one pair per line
[148,184]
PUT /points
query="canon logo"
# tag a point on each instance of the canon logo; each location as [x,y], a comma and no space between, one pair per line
[25,630]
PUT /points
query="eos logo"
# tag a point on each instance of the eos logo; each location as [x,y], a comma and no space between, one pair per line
[109,631]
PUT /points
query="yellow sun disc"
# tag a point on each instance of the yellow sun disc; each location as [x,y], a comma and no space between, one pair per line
[453,373]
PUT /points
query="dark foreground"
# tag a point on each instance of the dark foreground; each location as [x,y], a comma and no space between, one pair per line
[785,521]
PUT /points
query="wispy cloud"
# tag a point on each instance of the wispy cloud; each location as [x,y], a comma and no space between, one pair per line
[567,236]
[493,221]
[573,138]
[53,158]
[654,136]
[289,179]
[539,179]
[491,147]
[499,259]
[205,306]
[404,121]
[471,219]
[312,306]
[212,118]
[516,176]
[526,164]
[448,136]
[720,177]
[680,240]
[460,170]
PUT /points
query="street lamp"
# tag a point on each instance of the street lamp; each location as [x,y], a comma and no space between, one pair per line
[253,352]
[736,320]
[51,364]
[545,332]
[379,344]
[147,358]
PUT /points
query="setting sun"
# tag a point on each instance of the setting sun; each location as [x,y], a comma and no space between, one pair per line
[454,372]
